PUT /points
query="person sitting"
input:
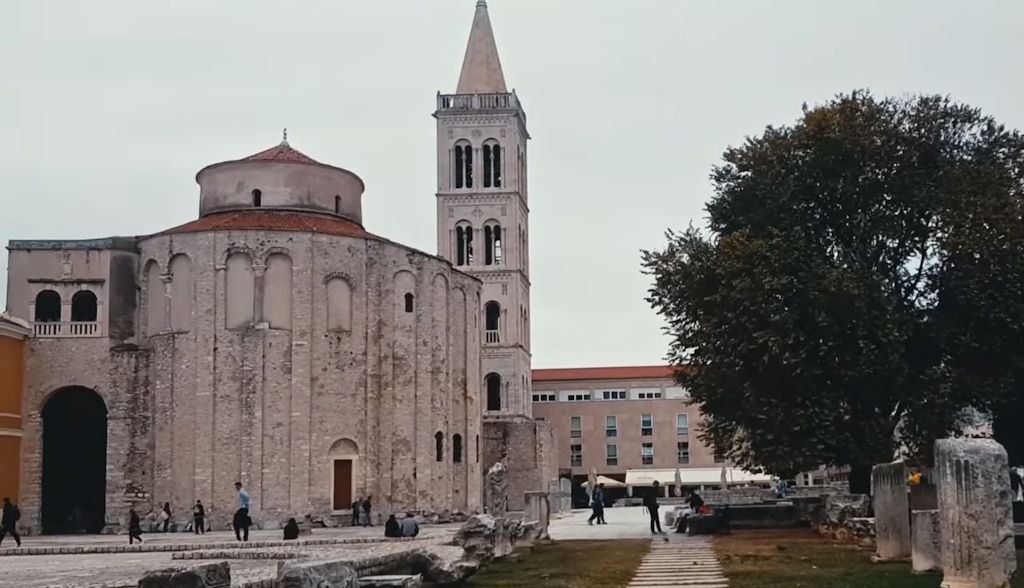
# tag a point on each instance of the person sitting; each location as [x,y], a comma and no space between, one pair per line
[291,530]
[695,501]
[391,527]
[410,528]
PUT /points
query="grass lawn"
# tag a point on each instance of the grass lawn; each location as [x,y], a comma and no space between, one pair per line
[566,564]
[805,559]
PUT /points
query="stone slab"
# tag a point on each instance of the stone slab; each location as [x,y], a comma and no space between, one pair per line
[892,508]
[212,575]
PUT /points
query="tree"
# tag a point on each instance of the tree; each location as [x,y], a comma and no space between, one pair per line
[861,274]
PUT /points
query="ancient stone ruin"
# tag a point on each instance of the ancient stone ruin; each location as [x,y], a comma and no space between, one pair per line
[496,489]
[892,521]
[926,540]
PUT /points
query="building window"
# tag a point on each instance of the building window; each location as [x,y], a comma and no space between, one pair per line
[257,198]
[646,425]
[492,318]
[492,165]
[478,448]
[575,427]
[544,397]
[683,452]
[611,426]
[576,456]
[439,446]
[409,302]
[493,391]
[463,244]
[464,165]
[337,205]
[456,448]
[682,424]
[647,453]
[613,394]
[719,456]
[649,395]
[48,307]
[83,307]
[577,397]
[612,457]
[492,244]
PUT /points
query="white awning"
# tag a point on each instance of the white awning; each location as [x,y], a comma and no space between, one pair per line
[695,477]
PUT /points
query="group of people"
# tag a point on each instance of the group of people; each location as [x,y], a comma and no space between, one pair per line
[650,502]
[361,510]
[407,527]
[240,521]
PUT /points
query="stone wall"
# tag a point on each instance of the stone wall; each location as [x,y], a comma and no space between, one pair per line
[525,446]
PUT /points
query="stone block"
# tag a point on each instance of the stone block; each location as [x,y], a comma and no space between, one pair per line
[321,574]
[892,511]
[443,564]
[926,541]
[566,498]
[975,513]
[213,575]
[538,509]
[391,581]
[840,508]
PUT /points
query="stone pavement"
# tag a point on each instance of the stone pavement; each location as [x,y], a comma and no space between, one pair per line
[681,562]
[629,522]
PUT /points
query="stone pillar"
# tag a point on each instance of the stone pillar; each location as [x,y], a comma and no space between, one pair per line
[537,509]
[496,491]
[926,540]
[566,497]
[975,513]
[892,511]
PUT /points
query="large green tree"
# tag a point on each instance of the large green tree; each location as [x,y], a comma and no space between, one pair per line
[861,272]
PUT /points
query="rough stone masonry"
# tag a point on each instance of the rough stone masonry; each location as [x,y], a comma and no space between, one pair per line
[892,522]
[975,513]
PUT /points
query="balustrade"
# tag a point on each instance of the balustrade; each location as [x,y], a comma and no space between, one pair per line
[66,329]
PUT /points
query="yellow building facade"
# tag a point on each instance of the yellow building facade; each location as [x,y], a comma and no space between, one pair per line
[13,334]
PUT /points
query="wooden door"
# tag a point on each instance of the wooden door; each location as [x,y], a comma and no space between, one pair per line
[342,484]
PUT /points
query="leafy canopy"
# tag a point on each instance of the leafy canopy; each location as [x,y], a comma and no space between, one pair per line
[862,269]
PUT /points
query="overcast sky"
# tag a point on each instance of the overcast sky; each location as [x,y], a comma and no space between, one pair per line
[109,107]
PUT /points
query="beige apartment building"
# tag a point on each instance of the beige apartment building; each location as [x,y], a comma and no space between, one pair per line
[615,419]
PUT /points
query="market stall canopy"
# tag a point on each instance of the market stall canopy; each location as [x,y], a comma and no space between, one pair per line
[695,477]
[610,482]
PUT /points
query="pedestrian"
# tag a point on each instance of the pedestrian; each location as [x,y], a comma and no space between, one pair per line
[391,527]
[134,527]
[199,518]
[9,520]
[600,507]
[410,528]
[357,509]
[695,502]
[165,515]
[367,522]
[241,521]
[291,530]
[596,504]
[651,502]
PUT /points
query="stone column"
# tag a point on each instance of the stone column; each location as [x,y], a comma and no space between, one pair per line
[975,513]
[892,520]
[926,540]
[496,492]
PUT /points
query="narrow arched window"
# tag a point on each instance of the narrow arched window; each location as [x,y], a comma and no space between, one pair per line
[493,391]
[487,165]
[467,153]
[257,198]
[459,167]
[439,446]
[488,246]
[337,205]
[497,244]
[456,448]
[478,448]
[463,165]
[47,307]
[83,307]
[492,165]
[492,243]
[409,302]
[492,315]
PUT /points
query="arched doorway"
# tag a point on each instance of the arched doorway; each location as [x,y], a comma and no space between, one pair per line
[74,462]
[344,457]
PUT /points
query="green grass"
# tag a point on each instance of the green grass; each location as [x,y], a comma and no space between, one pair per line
[566,564]
[804,559]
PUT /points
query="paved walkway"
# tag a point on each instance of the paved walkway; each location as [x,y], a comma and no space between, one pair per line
[628,522]
[681,562]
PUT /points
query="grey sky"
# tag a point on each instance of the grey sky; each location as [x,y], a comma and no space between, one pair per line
[109,107]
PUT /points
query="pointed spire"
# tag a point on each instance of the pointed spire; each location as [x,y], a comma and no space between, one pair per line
[481,68]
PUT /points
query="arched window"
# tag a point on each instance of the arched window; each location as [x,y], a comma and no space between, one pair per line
[463,244]
[337,205]
[492,320]
[83,307]
[492,243]
[277,292]
[409,302]
[48,307]
[439,446]
[463,165]
[478,448]
[156,294]
[257,198]
[492,165]
[181,294]
[493,391]
[456,448]
[240,291]
[339,305]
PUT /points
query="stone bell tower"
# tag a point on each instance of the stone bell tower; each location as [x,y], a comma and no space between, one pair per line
[483,230]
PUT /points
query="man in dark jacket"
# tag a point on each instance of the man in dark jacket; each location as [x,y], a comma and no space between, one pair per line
[9,520]
[651,502]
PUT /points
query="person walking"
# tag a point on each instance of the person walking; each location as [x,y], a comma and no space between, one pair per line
[199,518]
[651,502]
[367,506]
[165,515]
[134,527]
[241,520]
[596,504]
[357,509]
[9,520]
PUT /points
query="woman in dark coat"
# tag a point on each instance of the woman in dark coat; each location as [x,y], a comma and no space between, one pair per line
[291,530]
[391,528]
[134,527]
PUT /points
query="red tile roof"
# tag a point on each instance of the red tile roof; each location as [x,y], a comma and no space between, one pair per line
[605,373]
[273,220]
[282,152]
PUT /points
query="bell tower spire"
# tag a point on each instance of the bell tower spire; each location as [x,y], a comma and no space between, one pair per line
[481,68]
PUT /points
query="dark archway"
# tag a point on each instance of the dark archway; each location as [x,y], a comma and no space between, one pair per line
[493,391]
[47,307]
[74,462]
[83,307]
